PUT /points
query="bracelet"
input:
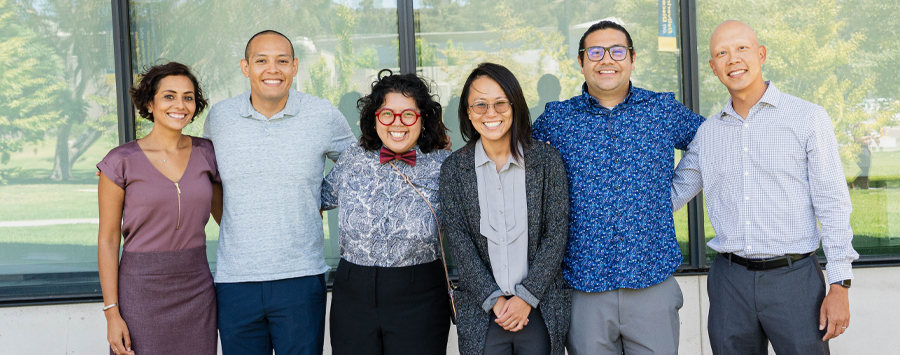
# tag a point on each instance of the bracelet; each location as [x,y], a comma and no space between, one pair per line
[110,306]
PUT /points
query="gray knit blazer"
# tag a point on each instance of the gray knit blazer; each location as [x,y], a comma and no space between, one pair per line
[547,191]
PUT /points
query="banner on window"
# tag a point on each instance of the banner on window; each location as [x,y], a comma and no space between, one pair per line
[668,41]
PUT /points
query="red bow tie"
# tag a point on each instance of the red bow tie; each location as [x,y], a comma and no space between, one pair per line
[387,155]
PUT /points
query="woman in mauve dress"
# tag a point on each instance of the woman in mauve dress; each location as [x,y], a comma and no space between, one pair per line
[157,193]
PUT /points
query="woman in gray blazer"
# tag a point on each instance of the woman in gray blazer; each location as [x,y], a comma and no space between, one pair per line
[505,213]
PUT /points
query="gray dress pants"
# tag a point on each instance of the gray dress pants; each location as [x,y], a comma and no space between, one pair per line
[633,321]
[747,309]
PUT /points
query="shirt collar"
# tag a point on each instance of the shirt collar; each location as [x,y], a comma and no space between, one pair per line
[481,157]
[633,96]
[771,97]
[291,108]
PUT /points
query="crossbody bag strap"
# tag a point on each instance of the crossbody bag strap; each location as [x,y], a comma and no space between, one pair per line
[440,239]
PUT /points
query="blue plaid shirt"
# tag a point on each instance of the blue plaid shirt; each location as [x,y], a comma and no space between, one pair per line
[620,164]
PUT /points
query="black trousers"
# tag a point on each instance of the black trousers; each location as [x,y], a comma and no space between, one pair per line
[380,310]
[748,309]
[533,339]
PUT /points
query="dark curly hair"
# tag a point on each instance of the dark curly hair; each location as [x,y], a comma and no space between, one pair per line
[520,131]
[142,94]
[434,135]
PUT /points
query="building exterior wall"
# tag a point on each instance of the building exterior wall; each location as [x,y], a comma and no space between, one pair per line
[874,326]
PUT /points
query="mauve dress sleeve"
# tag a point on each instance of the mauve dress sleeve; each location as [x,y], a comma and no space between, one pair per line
[210,155]
[112,167]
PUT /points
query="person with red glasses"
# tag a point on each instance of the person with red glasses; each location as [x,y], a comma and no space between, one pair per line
[390,289]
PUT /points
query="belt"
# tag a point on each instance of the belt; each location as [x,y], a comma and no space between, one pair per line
[766,264]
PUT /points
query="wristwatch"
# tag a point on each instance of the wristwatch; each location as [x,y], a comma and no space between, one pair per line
[845,283]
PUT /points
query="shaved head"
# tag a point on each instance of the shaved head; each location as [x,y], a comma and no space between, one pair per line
[732,29]
[736,58]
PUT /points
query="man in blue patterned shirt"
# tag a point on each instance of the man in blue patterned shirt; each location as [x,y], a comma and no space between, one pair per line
[618,144]
[775,189]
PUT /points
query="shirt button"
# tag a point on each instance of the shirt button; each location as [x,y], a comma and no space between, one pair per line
[745,149]
[504,266]
[268,122]
[746,173]
[619,214]
[498,187]
[746,197]
[746,125]
[501,211]
[748,222]
[616,161]
[749,248]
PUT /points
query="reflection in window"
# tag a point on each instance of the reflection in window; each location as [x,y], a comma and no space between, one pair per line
[842,58]
[341,45]
[58,109]
[538,41]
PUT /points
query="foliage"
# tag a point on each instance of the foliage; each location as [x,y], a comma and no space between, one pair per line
[31,85]
[814,54]
[329,83]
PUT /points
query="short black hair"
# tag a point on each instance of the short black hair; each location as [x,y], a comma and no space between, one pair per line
[266,32]
[434,134]
[520,131]
[143,93]
[605,25]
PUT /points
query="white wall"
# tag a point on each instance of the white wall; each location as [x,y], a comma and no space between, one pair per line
[874,325]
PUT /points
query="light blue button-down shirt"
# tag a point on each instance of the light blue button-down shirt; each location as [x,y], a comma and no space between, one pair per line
[770,180]
[271,173]
[504,221]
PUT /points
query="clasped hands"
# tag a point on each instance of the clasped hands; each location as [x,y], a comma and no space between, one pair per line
[512,314]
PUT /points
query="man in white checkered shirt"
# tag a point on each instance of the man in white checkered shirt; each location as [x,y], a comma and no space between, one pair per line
[770,167]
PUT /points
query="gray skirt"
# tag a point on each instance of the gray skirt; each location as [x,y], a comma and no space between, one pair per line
[168,301]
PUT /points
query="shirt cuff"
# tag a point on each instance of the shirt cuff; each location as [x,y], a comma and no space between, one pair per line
[838,271]
[489,303]
[526,296]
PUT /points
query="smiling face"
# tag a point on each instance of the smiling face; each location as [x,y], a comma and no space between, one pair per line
[270,68]
[607,79]
[397,137]
[173,104]
[493,127]
[737,58]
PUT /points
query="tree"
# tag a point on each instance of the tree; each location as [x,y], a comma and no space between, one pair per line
[812,54]
[76,30]
[31,85]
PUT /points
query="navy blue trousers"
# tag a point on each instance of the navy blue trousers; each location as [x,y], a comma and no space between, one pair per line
[285,315]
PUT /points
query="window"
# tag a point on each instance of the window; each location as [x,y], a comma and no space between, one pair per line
[341,46]
[538,41]
[844,59]
[58,110]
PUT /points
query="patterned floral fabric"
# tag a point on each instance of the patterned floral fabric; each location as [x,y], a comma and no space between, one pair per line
[382,220]
[620,164]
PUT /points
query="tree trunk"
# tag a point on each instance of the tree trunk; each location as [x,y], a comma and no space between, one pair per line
[62,169]
[84,141]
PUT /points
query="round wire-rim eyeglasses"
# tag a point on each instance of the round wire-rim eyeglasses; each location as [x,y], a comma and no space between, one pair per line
[499,106]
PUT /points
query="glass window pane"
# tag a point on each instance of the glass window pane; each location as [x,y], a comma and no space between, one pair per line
[538,41]
[341,45]
[842,58]
[58,109]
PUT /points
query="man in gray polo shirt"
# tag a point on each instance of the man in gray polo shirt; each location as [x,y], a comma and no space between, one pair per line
[271,144]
